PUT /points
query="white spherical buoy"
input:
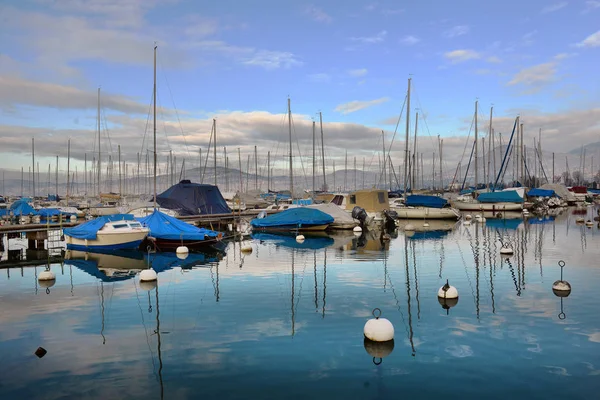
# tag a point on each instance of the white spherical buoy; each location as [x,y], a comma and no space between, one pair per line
[73,218]
[580,220]
[426,225]
[46,276]
[378,350]
[379,329]
[447,304]
[589,223]
[448,292]
[148,275]
[409,227]
[357,229]
[506,250]
[468,217]
[246,248]
[561,288]
[148,285]
[182,250]
[300,238]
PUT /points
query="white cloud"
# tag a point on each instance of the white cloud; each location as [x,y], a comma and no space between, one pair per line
[528,38]
[455,31]
[392,11]
[591,5]
[410,40]
[591,41]
[273,60]
[378,38]
[18,91]
[493,59]
[458,56]
[554,7]
[535,77]
[318,14]
[356,105]
[358,72]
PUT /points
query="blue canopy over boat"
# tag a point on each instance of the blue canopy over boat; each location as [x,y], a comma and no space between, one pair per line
[420,200]
[439,234]
[89,229]
[541,193]
[508,196]
[294,217]
[21,207]
[501,223]
[309,243]
[163,226]
[189,198]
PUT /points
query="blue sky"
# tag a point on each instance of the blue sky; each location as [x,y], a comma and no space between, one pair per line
[239,60]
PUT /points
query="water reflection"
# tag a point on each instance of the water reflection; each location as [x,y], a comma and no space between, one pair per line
[291,319]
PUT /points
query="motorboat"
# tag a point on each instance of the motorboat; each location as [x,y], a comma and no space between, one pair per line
[109,232]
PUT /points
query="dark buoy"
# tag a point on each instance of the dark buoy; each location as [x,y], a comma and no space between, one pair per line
[378,350]
[40,352]
[561,288]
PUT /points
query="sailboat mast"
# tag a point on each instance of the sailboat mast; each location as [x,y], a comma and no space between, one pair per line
[120,180]
[255,169]
[322,151]
[56,178]
[384,164]
[154,125]
[414,156]
[68,167]
[268,171]
[441,176]
[490,149]
[99,151]
[406,138]
[313,156]
[215,148]
[476,149]
[291,165]
[33,164]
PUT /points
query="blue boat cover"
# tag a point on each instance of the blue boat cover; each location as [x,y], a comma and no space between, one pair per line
[428,235]
[163,226]
[88,229]
[21,207]
[501,223]
[508,196]
[419,200]
[296,217]
[593,191]
[541,193]
[289,241]
[189,198]
[302,202]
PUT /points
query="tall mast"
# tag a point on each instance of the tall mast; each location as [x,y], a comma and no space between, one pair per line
[268,171]
[99,151]
[56,176]
[240,165]
[322,151]
[120,180]
[406,138]
[490,149]
[33,164]
[441,176]
[85,185]
[291,166]
[313,157]
[476,149]
[414,156]
[255,169]
[522,176]
[346,172]
[154,124]
[68,167]
[226,169]
[384,164]
[215,149]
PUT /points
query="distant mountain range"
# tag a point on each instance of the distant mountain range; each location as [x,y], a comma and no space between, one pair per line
[590,148]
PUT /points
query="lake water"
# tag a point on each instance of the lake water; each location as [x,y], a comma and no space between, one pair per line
[286,321]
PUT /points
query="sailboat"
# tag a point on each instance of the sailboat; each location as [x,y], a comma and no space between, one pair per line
[421,206]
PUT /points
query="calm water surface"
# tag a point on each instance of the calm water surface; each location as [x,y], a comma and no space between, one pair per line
[286,321]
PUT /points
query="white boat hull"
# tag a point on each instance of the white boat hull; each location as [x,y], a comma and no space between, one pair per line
[101,211]
[108,241]
[476,206]
[426,213]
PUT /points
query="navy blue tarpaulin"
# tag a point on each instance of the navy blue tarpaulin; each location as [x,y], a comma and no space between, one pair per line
[189,198]
[165,227]
[419,200]
[508,196]
[293,218]
[541,193]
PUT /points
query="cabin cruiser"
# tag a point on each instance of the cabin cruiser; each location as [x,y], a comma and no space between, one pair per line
[119,231]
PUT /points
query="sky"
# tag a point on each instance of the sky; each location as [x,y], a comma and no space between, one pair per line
[238,62]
